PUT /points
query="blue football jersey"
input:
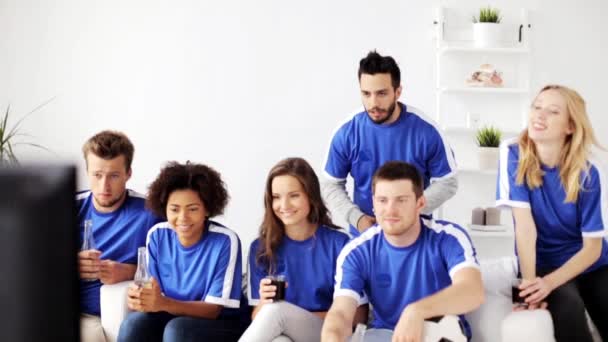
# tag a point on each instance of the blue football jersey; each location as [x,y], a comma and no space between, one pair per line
[309,267]
[208,271]
[560,226]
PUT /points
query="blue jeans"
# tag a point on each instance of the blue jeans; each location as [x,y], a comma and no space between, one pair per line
[162,326]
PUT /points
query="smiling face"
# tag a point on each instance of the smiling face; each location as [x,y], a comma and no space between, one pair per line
[186,214]
[290,202]
[549,120]
[397,209]
[108,181]
[379,97]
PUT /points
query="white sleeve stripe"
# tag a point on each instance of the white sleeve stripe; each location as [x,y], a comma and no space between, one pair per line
[446,145]
[253,302]
[160,225]
[83,195]
[332,178]
[230,303]
[348,293]
[462,265]
[349,247]
[509,203]
[234,245]
[596,234]
[600,166]
[504,187]
[460,236]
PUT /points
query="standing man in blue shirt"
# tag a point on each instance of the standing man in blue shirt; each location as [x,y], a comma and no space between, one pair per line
[385,130]
[411,269]
[120,224]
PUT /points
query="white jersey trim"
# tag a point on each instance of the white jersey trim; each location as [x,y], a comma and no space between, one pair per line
[446,145]
[348,293]
[504,186]
[83,195]
[349,247]
[509,203]
[596,234]
[160,225]
[130,193]
[461,237]
[229,273]
[464,264]
[234,247]
[231,303]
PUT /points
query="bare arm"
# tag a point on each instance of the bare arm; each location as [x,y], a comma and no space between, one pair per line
[525,237]
[360,315]
[440,191]
[339,318]
[540,288]
[583,259]
[464,295]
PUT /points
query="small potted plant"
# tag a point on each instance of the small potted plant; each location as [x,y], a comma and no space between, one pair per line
[486,29]
[488,139]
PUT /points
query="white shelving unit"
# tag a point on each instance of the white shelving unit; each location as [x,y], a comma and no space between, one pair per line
[461,109]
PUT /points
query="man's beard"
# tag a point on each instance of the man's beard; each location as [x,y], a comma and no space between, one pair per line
[110,203]
[389,114]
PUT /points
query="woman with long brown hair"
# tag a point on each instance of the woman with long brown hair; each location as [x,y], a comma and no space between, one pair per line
[558,191]
[298,241]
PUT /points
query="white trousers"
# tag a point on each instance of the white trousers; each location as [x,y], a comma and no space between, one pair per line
[283,321]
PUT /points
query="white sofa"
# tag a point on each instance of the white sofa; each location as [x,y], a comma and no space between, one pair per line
[113,300]
[486,322]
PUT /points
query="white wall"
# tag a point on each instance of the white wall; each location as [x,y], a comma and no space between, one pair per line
[242,84]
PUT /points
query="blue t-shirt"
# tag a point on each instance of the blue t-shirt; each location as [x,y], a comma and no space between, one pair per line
[208,271]
[560,226]
[309,267]
[117,235]
[361,146]
[393,277]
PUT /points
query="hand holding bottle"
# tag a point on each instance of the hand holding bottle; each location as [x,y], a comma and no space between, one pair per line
[89,264]
[146,299]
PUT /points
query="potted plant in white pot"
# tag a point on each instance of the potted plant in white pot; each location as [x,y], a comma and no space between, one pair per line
[487,31]
[488,139]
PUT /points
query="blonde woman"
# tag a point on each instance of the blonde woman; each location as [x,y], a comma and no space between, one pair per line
[558,195]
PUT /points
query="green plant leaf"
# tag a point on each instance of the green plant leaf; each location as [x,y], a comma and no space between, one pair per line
[488,136]
[9,136]
[488,15]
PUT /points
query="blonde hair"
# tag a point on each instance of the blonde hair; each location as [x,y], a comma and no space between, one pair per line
[574,154]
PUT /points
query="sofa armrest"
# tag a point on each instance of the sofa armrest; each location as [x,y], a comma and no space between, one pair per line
[113,302]
[487,319]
